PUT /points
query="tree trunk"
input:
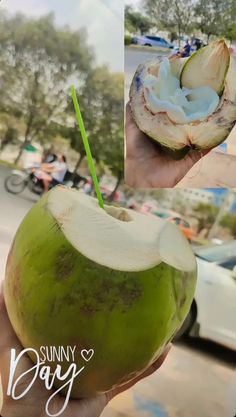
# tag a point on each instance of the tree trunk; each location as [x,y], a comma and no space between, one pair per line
[79,162]
[26,140]
[8,138]
[179,34]
[112,195]
[31,116]
[208,38]
[2,145]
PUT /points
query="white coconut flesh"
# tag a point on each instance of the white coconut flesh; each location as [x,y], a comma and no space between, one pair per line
[118,238]
[163,94]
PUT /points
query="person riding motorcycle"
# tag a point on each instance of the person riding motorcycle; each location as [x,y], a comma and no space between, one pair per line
[52,173]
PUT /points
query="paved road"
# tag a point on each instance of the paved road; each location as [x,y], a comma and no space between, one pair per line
[12,211]
[194,381]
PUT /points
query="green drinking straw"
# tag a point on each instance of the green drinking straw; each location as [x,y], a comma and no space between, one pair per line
[87,147]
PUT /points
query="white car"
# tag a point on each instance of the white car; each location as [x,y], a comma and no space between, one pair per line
[150,40]
[213,312]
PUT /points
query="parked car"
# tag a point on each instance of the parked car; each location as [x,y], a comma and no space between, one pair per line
[150,40]
[185,227]
[176,218]
[213,311]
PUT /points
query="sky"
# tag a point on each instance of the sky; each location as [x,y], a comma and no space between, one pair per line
[103,20]
[136,3]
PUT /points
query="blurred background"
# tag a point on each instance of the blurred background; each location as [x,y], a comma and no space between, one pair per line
[44,47]
[157,28]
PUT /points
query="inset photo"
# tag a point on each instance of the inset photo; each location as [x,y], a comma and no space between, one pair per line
[180,65]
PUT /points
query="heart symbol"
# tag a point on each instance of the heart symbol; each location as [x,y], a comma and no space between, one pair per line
[87,354]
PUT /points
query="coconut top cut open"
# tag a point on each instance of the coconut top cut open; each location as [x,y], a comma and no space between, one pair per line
[118,238]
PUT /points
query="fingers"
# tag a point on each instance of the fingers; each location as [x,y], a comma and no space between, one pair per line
[195,156]
[8,337]
[130,125]
[129,118]
[90,407]
[149,371]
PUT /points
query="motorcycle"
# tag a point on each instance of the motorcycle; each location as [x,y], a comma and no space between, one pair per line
[18,181]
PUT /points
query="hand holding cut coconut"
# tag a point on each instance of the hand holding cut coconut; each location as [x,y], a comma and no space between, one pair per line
[148,165]
[34,403]
[187,106]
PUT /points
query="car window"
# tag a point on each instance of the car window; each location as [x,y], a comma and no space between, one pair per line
[185,224]
[162,215]
[218,253]
[230,264]
[153,38]
[177,220]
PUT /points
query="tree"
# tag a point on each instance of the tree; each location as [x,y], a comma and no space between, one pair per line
[102,104]
[136,21]
[230,32]
[213,17]
[171,14]
[9,130]
[10,136]
[39,63]
[229,221]
[206,214]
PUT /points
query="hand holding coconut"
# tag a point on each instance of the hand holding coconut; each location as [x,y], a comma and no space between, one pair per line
[103,279]
[34,403]
[187,106]
[148,165]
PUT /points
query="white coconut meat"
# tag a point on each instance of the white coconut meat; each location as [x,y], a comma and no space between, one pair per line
[118,238]
[180,105]
[163,94]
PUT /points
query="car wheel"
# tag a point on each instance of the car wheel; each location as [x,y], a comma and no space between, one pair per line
[188,323]
[147,44]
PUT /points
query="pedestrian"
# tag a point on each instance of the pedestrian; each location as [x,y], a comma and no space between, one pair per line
[198,44]
[186,50]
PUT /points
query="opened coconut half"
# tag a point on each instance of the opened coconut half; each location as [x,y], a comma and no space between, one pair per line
[186,103]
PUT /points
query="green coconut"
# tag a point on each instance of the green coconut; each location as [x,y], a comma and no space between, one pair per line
[114,280]
[186,104]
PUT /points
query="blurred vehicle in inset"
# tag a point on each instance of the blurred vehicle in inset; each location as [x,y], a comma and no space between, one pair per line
[150,40]
[176,218]
[213,311]
[187,230]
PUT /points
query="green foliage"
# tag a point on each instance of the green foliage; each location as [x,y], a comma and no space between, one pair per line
[229,221]
[10,136]
[101,101]
[214,17]
[173,36]
[128,40]
[136,22]
[39,60]
[171,15]
[230,33]
[206,214]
